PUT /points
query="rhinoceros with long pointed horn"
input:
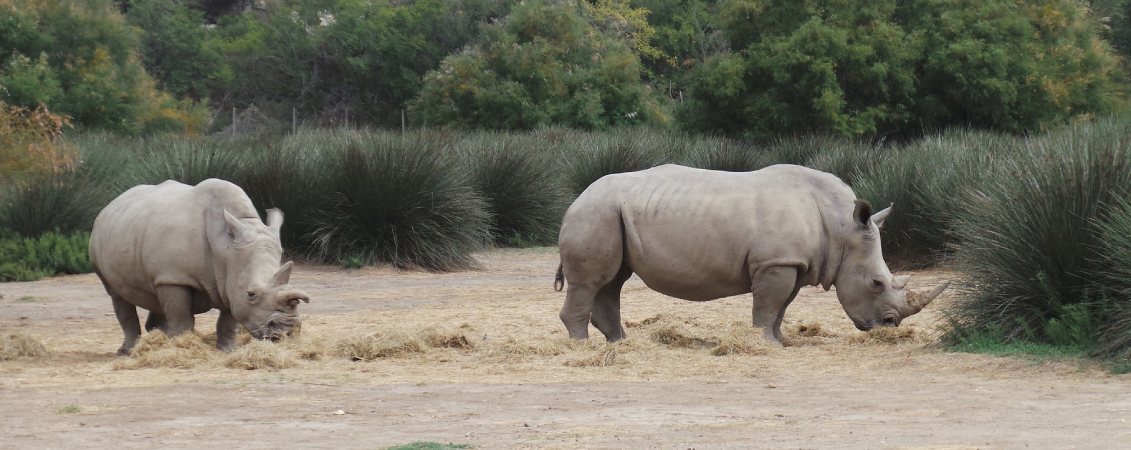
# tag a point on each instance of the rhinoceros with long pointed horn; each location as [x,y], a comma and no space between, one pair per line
[700,235]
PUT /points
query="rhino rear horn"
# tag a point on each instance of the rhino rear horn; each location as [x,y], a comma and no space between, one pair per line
[916,301]
[275,219]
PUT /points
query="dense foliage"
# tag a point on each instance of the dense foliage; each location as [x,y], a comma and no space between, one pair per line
[900,68]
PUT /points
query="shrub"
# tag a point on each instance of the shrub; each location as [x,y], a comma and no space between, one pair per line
[522,187]
[399,199]
[30,145]
[1115,280]
[29,259]
[1029,235]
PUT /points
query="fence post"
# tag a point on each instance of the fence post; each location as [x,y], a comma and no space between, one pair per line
[294,121]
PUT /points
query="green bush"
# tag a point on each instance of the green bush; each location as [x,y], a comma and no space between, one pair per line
[1029,235]
[29,259]
[402,200]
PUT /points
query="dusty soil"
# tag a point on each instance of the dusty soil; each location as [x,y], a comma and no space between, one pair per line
[522,384]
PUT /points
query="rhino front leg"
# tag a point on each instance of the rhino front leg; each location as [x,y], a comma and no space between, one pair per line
[127,319]
[155,321]
[772,288]
[226,327]
[176,306]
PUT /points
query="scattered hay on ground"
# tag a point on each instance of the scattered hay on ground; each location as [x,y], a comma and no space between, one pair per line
[886,335]
[670,336]
[645,322]
[309,349]
[742,340]
[439,339]
[260,355]
[17,345]
[603,357]
[512,350]
[157,350]
[379,345]
[812,330]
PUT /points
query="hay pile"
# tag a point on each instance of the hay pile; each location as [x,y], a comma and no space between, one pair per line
[742,339]
[17,345]
[156,350]
[192,350]
[396,344]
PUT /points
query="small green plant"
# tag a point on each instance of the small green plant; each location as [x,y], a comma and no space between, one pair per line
[353,262]
[70,409]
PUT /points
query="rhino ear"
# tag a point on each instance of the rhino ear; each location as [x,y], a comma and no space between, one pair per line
[275,219]
[862,212]
[236,230]
[283,275]
[881,216]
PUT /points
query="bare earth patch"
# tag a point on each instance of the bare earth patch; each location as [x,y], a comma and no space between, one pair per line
[479,357]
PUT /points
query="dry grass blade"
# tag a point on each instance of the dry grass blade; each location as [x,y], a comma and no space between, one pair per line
[812,330]
[645,322]
[16,345]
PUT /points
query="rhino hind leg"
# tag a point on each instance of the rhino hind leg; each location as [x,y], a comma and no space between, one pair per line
[606,307]
[128,320]
[773,288]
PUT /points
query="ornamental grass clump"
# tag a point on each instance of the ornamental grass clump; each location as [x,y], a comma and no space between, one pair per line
[400,199]
[521,184]
[1031,239]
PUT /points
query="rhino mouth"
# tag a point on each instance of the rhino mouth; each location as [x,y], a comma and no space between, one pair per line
[888,320]
[276,327]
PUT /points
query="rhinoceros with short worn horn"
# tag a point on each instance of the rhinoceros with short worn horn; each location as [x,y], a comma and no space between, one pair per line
[179,250]
[700,235]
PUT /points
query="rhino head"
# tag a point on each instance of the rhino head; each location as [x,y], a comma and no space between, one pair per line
[867,290]
[246,256]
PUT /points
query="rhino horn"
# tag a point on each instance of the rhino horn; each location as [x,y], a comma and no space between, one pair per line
[916,301]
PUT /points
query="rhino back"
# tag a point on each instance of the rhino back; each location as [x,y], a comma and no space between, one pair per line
[695,234]
[156,234]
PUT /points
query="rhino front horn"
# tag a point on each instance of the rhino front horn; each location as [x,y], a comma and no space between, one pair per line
[916,301]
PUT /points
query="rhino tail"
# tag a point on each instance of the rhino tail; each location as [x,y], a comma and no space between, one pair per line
[559,279]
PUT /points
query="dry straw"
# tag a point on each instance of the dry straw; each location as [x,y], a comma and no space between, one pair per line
[887,336]
[17,345]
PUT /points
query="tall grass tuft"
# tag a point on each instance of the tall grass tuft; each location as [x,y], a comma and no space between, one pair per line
[595,155]
[521,184]
[926,180]
[1029,235]
[402,200]
[32,258]
[1115,277]
[717,153]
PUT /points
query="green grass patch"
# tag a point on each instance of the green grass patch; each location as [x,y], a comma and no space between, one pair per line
[70,409]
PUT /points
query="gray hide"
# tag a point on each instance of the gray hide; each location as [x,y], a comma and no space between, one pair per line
[178,250]
[701,235]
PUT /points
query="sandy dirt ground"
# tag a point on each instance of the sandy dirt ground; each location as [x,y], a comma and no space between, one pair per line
[522,384]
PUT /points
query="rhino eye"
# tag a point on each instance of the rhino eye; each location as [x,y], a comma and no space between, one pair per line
[877,283]
[251,295]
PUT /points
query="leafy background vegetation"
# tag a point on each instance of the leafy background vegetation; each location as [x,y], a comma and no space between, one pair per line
[415,133]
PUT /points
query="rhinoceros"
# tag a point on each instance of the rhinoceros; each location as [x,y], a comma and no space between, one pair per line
[179,250]
[701,235]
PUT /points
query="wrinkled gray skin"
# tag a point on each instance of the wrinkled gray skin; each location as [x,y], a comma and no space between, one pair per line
[179,250]
[700,235]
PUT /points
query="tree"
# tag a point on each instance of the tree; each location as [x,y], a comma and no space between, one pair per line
[547,63]
[871,68]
